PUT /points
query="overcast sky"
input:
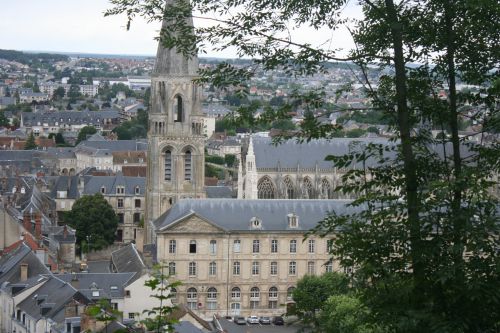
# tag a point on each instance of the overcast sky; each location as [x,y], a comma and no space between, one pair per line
[80,26]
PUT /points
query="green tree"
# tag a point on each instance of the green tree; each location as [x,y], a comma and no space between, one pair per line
[230,160]
[74,93]
[59,93]
[103,311]
[311,294]
[92,216]
[3,120]
[159,317]
[30,142]
[424,239]
[84,132]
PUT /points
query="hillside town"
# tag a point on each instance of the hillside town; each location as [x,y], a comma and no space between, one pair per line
[117,170]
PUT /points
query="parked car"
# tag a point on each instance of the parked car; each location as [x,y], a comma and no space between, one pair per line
[253,320]
[240,320]
[278,320]
[265,320]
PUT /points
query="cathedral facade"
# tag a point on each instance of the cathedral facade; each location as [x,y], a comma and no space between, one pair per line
[175,167]
[292,170]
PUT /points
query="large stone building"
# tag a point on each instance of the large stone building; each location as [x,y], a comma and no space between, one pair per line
[294,170]
[176,141]
[242,257]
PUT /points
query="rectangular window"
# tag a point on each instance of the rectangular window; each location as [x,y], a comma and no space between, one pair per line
[329,246]
[131,316]
[237,246]
[120,203]
[211,305]
[293,246]
[311,245]
[329,267]
[236,268]
[171,268]
[168,165]
[192,269]
[137,217]
[121,217]
[292,268]
[255,268]
[256,246]
[192,246]
[311,267]
[213,247]
[212,268]
[274,268]
[254,304]
[273,304]
[172,246]
[274,246]
[137,203]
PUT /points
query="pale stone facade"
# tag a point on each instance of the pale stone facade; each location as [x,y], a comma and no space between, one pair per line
[175,167]
[235,267]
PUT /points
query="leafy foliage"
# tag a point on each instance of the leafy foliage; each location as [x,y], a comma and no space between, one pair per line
[424,239]
[92,216]
[30,142]
[84,132]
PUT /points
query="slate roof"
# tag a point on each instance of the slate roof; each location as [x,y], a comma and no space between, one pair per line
[94,184]
[118,145]
[128,259]
[291,154]
[109,285]
[68,117]
[46,297]
[68,184]
[219,192]
[235,215]
[10,264]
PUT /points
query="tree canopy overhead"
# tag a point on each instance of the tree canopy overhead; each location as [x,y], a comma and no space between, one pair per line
[425,248]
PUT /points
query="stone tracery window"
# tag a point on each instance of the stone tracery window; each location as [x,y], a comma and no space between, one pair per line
[168,165]
[289,188]
[266,189]
[307,189]
[178,109]
[325,189]
[187,165]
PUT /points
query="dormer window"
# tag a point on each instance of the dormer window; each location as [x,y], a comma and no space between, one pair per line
[255,223]
[137,190]
[293,221]
[120,190]
[103,190]
[23,190]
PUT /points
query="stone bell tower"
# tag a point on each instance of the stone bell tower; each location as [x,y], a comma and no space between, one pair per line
[176,154]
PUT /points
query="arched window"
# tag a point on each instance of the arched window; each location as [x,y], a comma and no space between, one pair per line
[289,188]
[307,189]
[273,292]
[212,298]
[187,165]
[212,293]
[254,298]
[254,292]
[173,295]
[325,189]
[168,165]
[179,110]
[235,293]
[266,189]
[192,298]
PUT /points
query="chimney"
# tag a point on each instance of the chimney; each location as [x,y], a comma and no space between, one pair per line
[75,283]
[65,232]
[24,272]
[38,226]
[27,222]
[139,239]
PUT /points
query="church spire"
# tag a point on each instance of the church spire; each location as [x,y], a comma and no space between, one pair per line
[168,60]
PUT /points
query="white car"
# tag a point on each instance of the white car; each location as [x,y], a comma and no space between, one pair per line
[253,320]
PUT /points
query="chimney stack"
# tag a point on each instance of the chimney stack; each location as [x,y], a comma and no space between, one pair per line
[27,222]
[24,272]
[38,226]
